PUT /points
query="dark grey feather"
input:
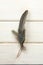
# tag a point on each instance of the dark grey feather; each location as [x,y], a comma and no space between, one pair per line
[21,30]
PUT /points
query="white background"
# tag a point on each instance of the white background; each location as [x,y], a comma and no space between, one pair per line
[9,47]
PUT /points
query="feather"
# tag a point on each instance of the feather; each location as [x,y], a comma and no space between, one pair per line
[21,32]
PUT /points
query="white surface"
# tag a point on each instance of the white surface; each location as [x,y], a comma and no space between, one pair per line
[34,31]
[32,55]
[12,10]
